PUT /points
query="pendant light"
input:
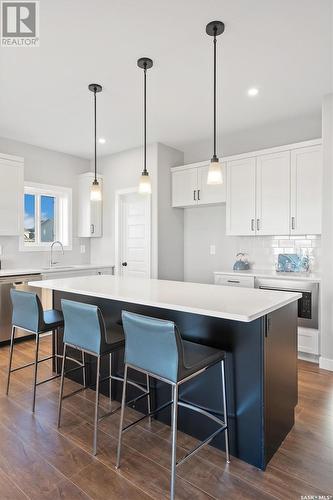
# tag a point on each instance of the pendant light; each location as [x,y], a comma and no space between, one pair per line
[145,182]
[95,190]
[215,28]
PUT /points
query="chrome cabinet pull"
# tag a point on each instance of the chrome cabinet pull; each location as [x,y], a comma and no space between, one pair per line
[92,228]
[252,224]
[233,281]
[198,194]
[258,224]
[194,197]
[293,223]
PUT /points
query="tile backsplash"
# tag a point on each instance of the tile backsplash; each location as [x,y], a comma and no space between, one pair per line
[263,251]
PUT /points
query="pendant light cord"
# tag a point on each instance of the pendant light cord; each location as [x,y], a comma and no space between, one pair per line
[215,29]
[145,118]
[95,132]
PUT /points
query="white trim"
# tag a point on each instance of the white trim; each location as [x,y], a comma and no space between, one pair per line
[61,192]
[326,363]
[251,154]
[12,158]
[118,194]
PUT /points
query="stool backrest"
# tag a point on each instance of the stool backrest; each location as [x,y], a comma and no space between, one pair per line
[152,344]
[84,325]
[27,310]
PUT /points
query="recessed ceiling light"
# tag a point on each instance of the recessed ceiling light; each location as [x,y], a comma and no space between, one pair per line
[102,140]
[253,92]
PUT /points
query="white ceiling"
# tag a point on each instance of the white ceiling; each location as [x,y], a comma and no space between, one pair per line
[280,46]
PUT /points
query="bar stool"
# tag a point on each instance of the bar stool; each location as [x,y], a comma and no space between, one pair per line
[28,315]
[85,329]
[155,347]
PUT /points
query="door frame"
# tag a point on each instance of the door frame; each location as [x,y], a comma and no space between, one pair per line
[119,193]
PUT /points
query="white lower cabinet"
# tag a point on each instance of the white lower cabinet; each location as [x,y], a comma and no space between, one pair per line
[308,340]
[232,280]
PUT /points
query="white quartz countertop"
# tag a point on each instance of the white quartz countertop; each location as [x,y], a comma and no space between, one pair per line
[257,273]
[48,270]
[240,304]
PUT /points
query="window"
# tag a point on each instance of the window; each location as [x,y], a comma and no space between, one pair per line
[47,216]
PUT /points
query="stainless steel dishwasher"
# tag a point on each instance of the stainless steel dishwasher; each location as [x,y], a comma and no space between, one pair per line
[6,283]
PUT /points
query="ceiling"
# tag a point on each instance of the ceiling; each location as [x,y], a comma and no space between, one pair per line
[280,46]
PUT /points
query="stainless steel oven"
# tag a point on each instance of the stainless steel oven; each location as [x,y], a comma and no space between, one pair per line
[307,305]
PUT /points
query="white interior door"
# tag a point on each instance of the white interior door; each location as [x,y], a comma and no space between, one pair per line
[134,235]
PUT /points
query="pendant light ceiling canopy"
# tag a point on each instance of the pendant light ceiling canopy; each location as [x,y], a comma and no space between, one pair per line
[214,29]
[95,191]
[145,182]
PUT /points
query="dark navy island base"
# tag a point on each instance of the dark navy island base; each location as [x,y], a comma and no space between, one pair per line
[261,372]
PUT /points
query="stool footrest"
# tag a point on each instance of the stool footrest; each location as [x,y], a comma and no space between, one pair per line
[150,414]
[199,409]
[200,445]
[47,380]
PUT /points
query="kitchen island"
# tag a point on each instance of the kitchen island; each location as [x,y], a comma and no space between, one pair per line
[257,329]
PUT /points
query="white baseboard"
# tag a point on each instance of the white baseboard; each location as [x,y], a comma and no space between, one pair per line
[326,363]
[313,358]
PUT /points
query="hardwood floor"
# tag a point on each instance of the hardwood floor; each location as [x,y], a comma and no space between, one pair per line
[38,461]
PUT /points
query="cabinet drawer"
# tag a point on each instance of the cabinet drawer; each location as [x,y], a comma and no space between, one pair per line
[232,280]
[308,340]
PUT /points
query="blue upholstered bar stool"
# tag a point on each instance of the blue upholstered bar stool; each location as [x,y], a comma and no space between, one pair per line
[28,315]
[155,347]
[85,329]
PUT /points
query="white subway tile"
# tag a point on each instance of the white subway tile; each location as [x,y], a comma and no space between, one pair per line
[303,243]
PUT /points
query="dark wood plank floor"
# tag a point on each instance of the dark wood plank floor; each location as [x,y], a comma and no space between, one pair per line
[39,462]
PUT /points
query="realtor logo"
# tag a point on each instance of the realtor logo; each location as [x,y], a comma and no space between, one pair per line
[19,23]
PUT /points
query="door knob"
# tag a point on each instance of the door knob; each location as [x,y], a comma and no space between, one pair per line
[124,264]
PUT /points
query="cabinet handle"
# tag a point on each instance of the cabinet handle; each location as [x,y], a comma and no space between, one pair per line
[194,197]
[252,224]
[92,228]
[233,281]
[258,224]
[293,223]
[198,194]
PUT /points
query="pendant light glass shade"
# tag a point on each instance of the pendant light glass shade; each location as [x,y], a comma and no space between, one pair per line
[145,183]
[95,191]
[215,175]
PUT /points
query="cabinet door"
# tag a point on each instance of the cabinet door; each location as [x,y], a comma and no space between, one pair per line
[273,194]
[89,212]
[185,187]
[11,197]
[241,199]
[306,190]
[210,193]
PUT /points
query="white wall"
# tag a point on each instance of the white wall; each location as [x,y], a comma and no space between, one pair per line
[269,135]
[48,167]
[326,358]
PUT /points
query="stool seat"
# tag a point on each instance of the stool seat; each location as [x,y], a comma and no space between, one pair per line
[114,338]
[52,319]
[196,357]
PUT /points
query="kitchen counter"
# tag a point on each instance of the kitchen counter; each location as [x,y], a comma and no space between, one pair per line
[256,328]
[233,303]
[48,270]
[257,273]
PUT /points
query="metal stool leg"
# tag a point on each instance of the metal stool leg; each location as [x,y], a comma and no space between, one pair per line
[96,405]
[148,397]
[35,373]
[61,385]
[110,375]
[84,369]
[10,357]
[174,440]
[226,435]
[123,401]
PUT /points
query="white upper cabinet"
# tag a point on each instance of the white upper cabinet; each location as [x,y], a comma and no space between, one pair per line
[241,197]
[89,212]
[184,187]
[273,193]
[208,194]
[189,186]
[306,192]
[11,195]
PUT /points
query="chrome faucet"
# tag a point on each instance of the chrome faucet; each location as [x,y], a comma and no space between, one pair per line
[52,263]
